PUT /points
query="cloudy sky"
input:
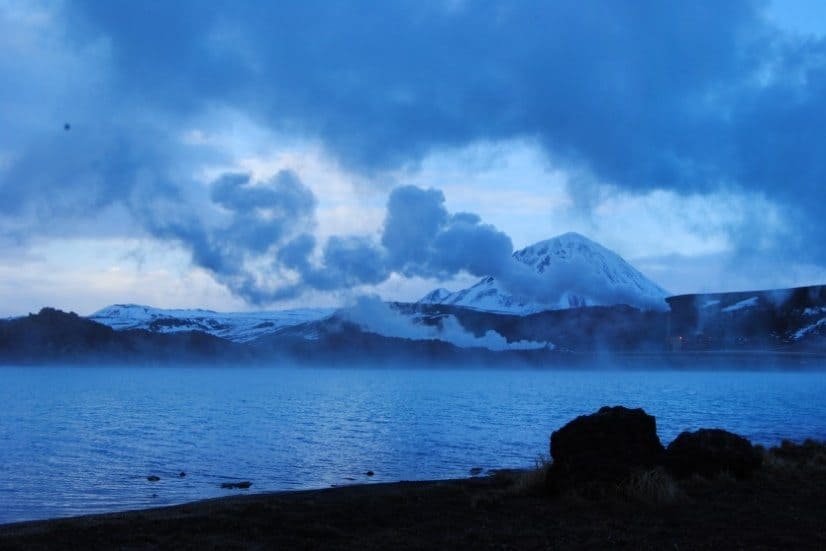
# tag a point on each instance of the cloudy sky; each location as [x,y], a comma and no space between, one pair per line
[247,155]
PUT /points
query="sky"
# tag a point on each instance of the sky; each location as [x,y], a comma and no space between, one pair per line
[259,155]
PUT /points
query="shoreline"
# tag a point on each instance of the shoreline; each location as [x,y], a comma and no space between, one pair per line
[229,500]
[780,507]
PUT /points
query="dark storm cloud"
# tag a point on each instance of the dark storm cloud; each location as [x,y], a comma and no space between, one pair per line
[414,218]
[262,252]
[688,96]
[262,240]
[419,238]
[350,261]
[283,194]
[423,239]
[57,175]
[650,94]
[258,218]
[262,214]
[633,90]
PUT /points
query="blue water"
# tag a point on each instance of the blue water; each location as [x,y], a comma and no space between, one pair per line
[83,440]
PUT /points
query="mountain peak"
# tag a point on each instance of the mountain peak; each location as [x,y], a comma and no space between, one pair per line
[572,267]
[567,237]
[564,248]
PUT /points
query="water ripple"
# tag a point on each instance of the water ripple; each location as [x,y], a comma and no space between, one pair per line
[84,440]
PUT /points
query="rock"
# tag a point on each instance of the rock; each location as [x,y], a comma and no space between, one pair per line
[236,485]
[709,452]
[153,478]
[603,448]
[475,471]
[369,473]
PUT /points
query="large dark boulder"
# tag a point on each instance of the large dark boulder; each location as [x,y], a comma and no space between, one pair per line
[603,448]
[710,452]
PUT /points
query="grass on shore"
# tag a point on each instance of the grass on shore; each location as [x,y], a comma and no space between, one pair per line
[810,455]
[532,481]
[653,486]
[657,487]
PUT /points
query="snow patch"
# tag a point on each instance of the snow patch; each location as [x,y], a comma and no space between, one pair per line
[802,332]
[743,304]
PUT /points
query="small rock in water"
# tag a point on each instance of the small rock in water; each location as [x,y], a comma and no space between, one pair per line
[369,473]
[153,478]
[236,485]
[181,474]
[475,471]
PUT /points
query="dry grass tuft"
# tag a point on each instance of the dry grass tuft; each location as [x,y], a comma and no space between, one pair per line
[533,482]
[655,487]
[809,455]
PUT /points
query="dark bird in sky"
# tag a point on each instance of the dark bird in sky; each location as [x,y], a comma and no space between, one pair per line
[67,127]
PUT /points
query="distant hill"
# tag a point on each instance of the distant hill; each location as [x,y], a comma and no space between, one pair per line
[782,320]
[52,336]
[792,319]
[233,326]
[55,336]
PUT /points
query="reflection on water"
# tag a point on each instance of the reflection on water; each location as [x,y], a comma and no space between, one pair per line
[83,440]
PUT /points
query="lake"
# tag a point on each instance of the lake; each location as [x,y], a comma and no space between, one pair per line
[83,440]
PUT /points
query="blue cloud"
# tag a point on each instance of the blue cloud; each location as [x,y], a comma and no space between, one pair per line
[687,96]
[419,238]
[644,95]
[414,218]
[628,89]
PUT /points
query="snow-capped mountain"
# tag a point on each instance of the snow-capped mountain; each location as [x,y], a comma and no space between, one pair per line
[573,270]
[233,326]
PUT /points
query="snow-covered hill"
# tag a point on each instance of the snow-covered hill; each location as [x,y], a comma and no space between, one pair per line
[574,270]
[234,326]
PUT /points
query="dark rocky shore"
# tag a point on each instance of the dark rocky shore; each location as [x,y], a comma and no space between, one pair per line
[707,490]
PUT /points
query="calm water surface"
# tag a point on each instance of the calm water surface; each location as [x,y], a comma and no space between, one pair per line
[83,440]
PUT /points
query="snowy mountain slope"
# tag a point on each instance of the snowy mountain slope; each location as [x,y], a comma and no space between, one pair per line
[490,296]
[233,326]
[435,296]
[751,302]
[573,269]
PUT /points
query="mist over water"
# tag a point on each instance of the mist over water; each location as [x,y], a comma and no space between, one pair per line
[83,440]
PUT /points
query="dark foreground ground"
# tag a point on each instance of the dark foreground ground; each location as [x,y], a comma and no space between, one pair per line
[782,507]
